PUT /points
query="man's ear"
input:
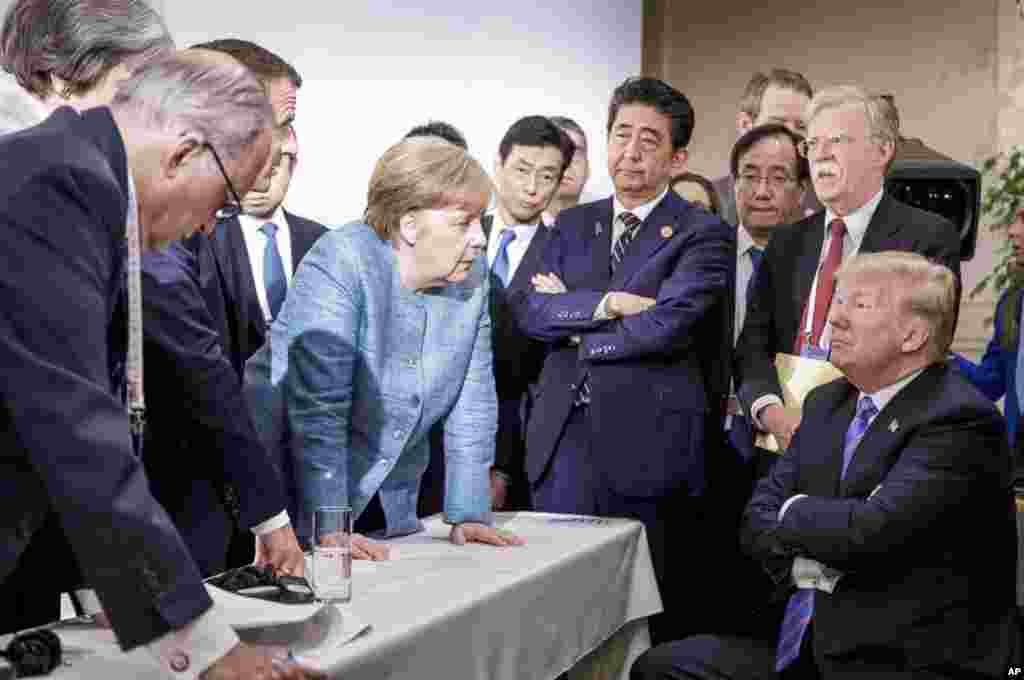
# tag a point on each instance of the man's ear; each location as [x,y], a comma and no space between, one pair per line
[915,336]
[174,160]
[743,123]
[678,161]
[407,229]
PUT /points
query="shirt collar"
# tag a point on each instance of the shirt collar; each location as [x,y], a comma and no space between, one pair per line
[858,220]
[133,202]
[251,223]
[523,231]
[886,394]
[641,211]
[744,241]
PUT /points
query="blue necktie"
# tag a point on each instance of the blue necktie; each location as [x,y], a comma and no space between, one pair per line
[756,257]
[502,266]
[273,271]
[800,607]
[1020,363]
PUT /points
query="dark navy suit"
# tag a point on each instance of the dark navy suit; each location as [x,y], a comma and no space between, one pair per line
[67,459]
[659,380]
[227,283]
[205,462]
[922,526]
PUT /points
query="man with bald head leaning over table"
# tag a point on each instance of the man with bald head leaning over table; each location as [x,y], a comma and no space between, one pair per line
[888,525]
[77,184]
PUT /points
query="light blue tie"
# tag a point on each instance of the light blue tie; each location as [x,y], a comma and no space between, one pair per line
[1020,362]
[502,266]
[274,279]
[800,607]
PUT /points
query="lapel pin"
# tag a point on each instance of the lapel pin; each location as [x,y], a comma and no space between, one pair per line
[598,228]
[894,425]
[666,231]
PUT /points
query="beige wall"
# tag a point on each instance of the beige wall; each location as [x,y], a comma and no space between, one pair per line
[955,68]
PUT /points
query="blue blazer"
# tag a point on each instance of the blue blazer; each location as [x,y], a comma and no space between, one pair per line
[996,375]
[358,368]
[659,380]
[63,432]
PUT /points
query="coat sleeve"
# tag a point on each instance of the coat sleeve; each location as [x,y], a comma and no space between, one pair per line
[178,325]
[63,231]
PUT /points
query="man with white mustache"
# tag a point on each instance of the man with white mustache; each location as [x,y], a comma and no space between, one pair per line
[850,144]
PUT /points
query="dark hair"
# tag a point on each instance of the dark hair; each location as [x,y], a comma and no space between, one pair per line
[439,128]
[264,64]
[78,41]
[537,131]
[705,183]
[779,77]
[663,98]
[570,125]
[759,132]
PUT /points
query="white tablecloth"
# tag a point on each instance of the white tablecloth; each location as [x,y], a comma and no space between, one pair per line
[472,612]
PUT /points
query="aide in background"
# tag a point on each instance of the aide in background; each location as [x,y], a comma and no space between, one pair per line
[779,96]
[1001,370]
[697,189]
[257,252]
[439,128]
[386,332]
[888,524]
[78,183]
[532,157]
[850,147]
[575,177]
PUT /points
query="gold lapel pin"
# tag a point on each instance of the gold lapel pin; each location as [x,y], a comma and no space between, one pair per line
[894,425]
[666,231]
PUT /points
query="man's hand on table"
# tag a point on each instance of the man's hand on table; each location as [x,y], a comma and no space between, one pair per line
[471,532]
[247,662]
[280,549]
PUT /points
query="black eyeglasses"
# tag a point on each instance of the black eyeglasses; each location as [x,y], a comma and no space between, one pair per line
[229,210]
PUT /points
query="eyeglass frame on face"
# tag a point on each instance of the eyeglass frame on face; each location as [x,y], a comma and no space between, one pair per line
[750,181]
[226,212]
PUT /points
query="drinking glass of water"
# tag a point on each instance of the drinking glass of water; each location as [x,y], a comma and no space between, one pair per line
[332,553]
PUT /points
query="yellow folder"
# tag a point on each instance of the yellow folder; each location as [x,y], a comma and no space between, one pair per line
[798,376]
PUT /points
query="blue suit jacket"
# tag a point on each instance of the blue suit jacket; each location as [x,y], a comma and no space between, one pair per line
[64,435]
[922,579]
[206,464]
[659,379]
[358,368]
[996,375]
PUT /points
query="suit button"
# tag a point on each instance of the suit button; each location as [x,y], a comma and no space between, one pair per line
[179,662]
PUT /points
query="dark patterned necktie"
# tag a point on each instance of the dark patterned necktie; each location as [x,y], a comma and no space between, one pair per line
[632,224]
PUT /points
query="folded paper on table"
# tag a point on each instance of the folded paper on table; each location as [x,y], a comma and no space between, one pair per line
[797,376]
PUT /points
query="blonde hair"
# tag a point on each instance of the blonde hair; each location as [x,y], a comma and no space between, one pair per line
[929,291]
[419,173]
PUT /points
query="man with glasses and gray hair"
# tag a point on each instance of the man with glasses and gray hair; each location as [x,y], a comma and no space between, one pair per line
[80,183]
[850,145]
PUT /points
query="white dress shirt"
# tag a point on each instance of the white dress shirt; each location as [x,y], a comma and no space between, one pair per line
[744,272]
[256,241]
[516,249]
[856,226]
